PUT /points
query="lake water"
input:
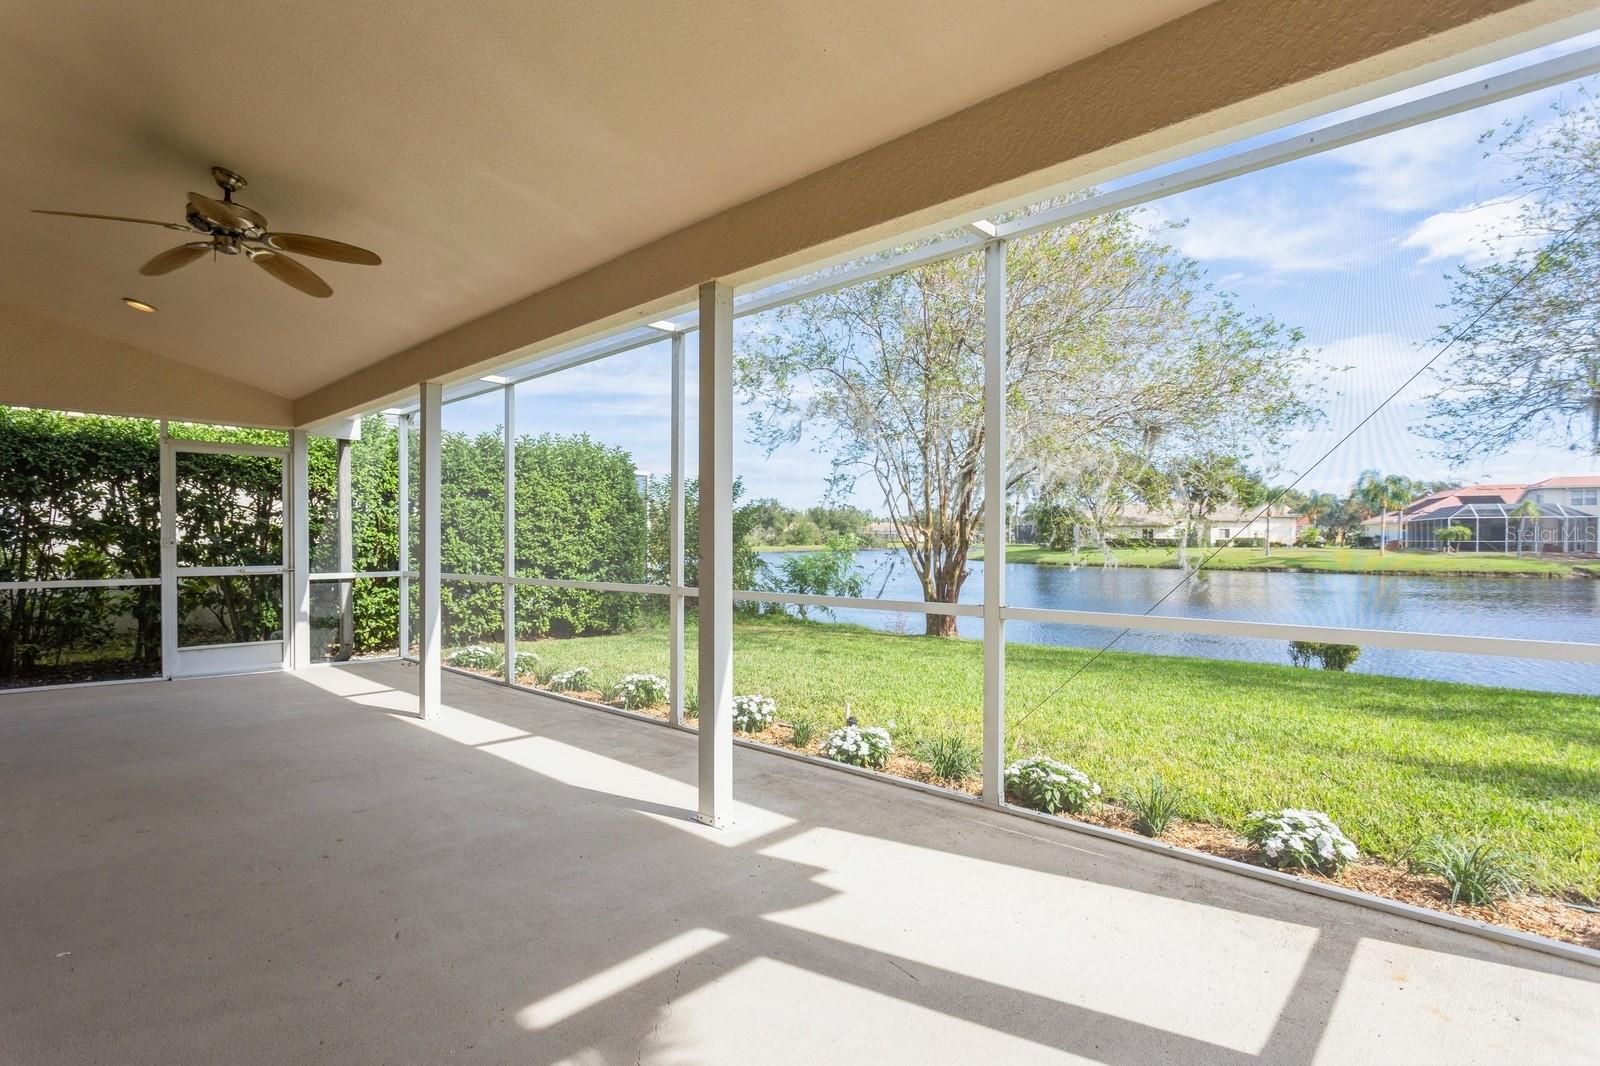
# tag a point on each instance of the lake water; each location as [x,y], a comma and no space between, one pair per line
[1535,608]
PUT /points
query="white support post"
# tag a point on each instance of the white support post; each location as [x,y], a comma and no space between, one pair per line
[675,536]
[508,591]
[169,558]
[403,556]
[429,688]
[716,553]
[994,522]
[347,554]
[300,549]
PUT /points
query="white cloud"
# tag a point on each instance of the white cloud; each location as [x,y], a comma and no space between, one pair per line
[1472,235]
[1281,233]
[1430,165]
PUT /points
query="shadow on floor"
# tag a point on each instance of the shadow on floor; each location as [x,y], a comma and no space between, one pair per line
[318,876]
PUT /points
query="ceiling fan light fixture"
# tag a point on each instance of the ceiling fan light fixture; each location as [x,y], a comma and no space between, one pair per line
[227,227]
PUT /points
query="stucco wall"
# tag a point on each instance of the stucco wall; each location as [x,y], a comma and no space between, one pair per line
[46,363]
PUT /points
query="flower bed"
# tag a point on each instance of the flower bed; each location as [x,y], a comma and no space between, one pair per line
[753,713]
[636,692]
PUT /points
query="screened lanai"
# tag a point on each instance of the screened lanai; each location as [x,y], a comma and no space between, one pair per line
[1500,527]
[603,637]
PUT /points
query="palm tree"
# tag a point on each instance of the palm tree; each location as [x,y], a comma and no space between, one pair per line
[1379,492]
[1523,511]
[1450,536]
[1319,505]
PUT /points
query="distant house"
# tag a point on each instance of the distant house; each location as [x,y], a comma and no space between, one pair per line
[1231,523]
[1435,504]
[1567,522]
[883,532]
[1582,493]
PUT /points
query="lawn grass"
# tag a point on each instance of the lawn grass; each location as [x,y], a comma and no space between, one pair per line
[1316,560]
[1394,761]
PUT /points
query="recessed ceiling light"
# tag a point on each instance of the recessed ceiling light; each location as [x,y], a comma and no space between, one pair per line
[139,305]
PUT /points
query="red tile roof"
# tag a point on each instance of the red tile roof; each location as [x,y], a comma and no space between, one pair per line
[1581,481]
[1503,493]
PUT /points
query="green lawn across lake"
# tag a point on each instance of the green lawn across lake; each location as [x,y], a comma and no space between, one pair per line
[1394,761]
[1316,560]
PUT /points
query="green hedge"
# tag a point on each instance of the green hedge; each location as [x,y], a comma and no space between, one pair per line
[80,498]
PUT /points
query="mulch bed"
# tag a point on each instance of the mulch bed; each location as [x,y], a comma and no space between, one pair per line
[1526,913]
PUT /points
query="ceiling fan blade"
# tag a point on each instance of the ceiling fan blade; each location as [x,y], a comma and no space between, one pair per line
[228,215]
[180,227]
[290,272]
[322,248]
[173,258]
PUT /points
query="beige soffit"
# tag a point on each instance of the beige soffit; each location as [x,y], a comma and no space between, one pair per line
[46,363]
[1219,69]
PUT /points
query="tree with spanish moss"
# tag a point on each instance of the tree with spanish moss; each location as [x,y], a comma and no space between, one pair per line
[1114,343]
[1525,366]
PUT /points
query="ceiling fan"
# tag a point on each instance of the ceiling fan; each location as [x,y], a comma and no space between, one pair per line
[230,228]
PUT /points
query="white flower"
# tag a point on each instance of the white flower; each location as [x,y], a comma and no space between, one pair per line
[1294,837]
[579,677]
[868,746]
[753,713]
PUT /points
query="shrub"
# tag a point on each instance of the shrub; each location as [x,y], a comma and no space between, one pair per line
[951,756]
[576,499]
[857,745]
[1299,839]
[578,679]
[1154,807]
[475,657]
[638,691]
[802,730]
[527,663]
[752,714]
[1049,785]
[830,572]
[1328,656]
[1310,537]
[1477,873]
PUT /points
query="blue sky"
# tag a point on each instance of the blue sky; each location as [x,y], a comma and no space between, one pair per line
[1352,247]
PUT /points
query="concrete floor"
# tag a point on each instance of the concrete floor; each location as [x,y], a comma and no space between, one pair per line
[280,869]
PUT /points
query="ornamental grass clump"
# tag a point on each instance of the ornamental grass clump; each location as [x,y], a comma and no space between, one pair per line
[1154,807]
[753,713]
[1050,785]
[1294,839]
[636,692]
[475,657]
[802,730]
[868,746]
[1477,873]
[578,679]
[951,756]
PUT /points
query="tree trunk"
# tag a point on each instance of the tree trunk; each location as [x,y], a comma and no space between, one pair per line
[941,583]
